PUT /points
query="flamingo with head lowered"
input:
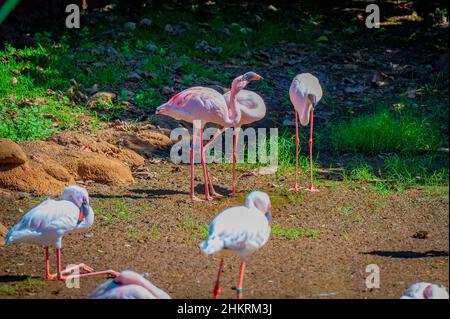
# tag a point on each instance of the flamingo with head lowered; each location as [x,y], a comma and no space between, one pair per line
[305,92]
[47,223]
[201,105]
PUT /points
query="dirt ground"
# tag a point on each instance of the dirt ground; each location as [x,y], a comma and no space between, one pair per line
[155,229]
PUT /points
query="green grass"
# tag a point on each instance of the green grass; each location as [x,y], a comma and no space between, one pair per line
[193,229]
[117,210]
[424,170]
[346,211]
[26,285]
[30,109]
[382,132]
[292,233]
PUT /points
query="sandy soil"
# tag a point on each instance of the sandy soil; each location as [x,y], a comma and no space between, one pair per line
[152,226]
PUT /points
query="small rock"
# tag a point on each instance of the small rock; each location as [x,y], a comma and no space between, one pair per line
[14,81]
[88,235]
[151,47]
[94,88]
[134,77]
[355,89]
[145,22]
[288,122]
[3,232]
[100,98]
[268,170]
[11,152]
[129,26]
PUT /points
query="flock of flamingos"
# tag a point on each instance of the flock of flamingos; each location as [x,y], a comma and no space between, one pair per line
[241,229]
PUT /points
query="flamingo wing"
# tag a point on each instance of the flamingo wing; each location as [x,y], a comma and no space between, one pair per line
[113,290]
[238,228]
[251,104]
[197,103]
[50,216]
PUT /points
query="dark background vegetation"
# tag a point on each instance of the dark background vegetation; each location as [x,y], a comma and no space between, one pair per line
[383,118]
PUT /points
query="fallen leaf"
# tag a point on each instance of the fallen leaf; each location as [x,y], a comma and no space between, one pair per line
[14,81]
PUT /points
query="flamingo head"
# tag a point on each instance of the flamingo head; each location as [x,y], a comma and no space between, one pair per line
[260,201]
[161,110]
[242,80]
[76,194]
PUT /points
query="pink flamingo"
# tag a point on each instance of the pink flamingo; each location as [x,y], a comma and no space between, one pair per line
[128,285]
[206,105]
[305,92]
[47,223]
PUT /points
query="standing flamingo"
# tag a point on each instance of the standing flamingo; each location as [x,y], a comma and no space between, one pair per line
[128,285]
[425,290]
[242,230]
[47,223]
[253,109]
[206,105]
[305,92]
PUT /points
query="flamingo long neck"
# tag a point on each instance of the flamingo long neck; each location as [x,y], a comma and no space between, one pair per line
[87,221]
[235,111]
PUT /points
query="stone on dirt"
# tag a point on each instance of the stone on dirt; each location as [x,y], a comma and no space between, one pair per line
[11,153]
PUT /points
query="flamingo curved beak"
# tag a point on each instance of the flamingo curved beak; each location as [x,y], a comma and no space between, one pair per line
[160,110]
[252,76]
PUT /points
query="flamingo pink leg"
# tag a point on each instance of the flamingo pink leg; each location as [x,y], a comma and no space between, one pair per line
[211,187]
[217,290]
[311,185]
[192,160]
[47,264]
[297,142]
[205,170]
[235,142]
[60,274]
[239,289]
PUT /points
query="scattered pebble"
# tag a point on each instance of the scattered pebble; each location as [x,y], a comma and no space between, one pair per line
[145,22]
[129,26]
[421,234]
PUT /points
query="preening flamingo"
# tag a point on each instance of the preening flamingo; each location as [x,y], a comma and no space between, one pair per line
[128,285]
[47,223]
[425,290]
[206,105]
[242,230]
[305,92]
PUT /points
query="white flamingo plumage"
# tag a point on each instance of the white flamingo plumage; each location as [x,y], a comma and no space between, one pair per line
[128,285]
[425,290]
[242,230]
[48,222]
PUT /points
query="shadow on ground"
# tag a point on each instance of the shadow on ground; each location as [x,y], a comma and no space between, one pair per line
[408,254]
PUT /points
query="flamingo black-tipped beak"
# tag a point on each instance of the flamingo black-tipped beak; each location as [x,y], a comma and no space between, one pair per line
[269,215]
[252,76]
[159,110]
